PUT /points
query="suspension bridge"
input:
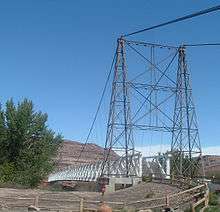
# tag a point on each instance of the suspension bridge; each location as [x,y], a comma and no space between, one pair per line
[150,92]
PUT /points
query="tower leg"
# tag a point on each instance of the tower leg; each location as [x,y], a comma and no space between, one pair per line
[185,148]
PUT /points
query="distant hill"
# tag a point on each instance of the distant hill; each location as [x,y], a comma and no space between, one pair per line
[69,153]
[212,166]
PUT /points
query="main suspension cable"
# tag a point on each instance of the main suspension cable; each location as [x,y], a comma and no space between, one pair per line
[202,12]
[201,44]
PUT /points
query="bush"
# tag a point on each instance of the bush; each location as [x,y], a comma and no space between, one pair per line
[7,172]
[212,209]
[213,199]
[146,178]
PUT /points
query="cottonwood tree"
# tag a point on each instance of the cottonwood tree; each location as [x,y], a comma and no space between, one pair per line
[27,145]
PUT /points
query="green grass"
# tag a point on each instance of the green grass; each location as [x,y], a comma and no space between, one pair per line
[214,203]
[213,199]
[213,209]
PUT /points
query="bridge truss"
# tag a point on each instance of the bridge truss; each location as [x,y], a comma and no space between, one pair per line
[91,172]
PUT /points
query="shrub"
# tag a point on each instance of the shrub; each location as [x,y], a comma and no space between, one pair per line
[213,199]
[146,178]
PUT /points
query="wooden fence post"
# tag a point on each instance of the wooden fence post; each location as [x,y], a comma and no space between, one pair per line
[193,207]
[167,201]
[36,201]
[81,205]
[207,195]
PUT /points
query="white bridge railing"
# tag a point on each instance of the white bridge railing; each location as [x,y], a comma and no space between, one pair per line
[90,172]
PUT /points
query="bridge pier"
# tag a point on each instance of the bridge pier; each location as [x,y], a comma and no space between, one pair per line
[121,182]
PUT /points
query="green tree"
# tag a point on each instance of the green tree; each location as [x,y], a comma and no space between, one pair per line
[179,158]
[27,146]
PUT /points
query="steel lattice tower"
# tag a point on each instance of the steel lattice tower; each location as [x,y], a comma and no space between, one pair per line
[158,99]
[186,149]
[119,129]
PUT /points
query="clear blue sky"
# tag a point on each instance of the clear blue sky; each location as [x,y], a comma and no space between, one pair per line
[58,53]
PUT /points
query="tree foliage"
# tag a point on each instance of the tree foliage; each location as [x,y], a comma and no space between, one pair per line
[190,167]
[27,146]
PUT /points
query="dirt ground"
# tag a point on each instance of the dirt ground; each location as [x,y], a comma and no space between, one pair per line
[19,199]
[139,192]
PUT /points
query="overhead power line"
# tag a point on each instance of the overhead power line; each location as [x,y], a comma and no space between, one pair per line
[202,12]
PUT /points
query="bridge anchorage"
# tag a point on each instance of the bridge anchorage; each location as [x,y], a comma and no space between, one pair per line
[151,97]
